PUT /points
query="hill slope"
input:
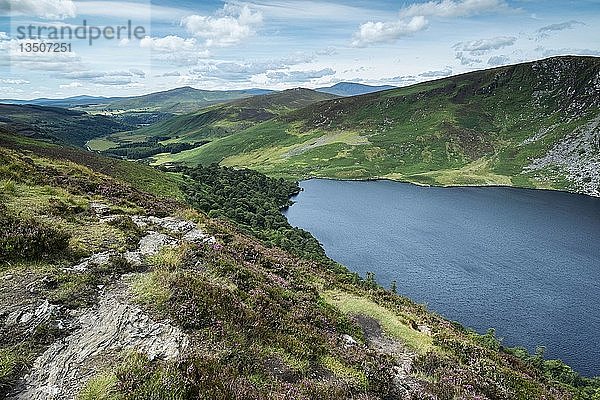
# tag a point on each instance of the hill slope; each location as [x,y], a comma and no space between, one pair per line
[224,119]
[352,89]
[180,100]
[57,124]
[108,291]
[534,125]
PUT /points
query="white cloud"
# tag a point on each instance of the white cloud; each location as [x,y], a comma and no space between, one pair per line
[175,50]
[379,32]
[465,59]
[299,76]
[498,60]
[545,31]
[437,73]
[107,78]
[570,51]
[234,24]
[168,44]
[242,71]
[49,9]
[454,8]
[72,85]
[14,81]
[481,46]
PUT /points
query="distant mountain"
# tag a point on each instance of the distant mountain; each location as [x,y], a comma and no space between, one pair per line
[181,100]
[69,102]
[174,101]
[56,124]
[534,124]
[225,119]
[346,89]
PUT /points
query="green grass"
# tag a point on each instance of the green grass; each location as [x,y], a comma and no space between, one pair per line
[100,387]
[391,323]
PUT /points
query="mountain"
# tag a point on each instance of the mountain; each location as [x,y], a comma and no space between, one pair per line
[346,89]
[192,285]
[180,100]
[69,102]
[174,101]
[534,124]
[57,124]
[224,119]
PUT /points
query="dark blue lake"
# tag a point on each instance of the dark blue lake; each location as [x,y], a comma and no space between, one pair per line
[525,262]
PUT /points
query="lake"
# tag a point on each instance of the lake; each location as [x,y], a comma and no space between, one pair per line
[525,262]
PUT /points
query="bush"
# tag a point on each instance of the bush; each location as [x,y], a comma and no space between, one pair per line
[28,239]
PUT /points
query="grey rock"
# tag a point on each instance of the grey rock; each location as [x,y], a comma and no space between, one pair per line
[113,326]
[153,242]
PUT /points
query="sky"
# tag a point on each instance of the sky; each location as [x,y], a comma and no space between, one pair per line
[275,44]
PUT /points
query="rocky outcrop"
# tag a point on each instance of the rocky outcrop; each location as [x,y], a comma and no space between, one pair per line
[104,331]
[99,334]
[577,156]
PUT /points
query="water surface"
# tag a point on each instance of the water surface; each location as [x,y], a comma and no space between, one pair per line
[526,262]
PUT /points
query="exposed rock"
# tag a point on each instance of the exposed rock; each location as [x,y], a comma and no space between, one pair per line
[153,242]
[100,209]
[32,317]
[111,327]
[197,236]
[349,340]
[98,259]
[578,156]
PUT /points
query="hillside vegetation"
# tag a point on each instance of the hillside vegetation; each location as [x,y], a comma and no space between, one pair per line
[531,125]
[224,119]
[57,124]
[120,293]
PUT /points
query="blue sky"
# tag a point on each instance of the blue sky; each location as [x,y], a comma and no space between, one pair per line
[283,43]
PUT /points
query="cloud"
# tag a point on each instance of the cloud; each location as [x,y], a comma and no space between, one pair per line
[569,51]
[175,50]
[48,9]
[403,80]
[14,81]
[453,8]
[465,59]
[72,85]
[437,74]
[498,60]
[241,71]
[107,78]
[545,31]
[413,18]
[170,74]
[235,24]
[481,46]
[380,32]
[298,76]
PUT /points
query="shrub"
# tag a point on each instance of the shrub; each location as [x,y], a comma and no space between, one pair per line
[29,239]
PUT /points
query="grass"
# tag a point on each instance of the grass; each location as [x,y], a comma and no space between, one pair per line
[167,259]
[100,387]
[348,374]
[391,323]
[101,144]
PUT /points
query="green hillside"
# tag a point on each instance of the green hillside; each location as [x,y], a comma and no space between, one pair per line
[533,124]
[178,101]
[57,124]
[111,291]
[224,119]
